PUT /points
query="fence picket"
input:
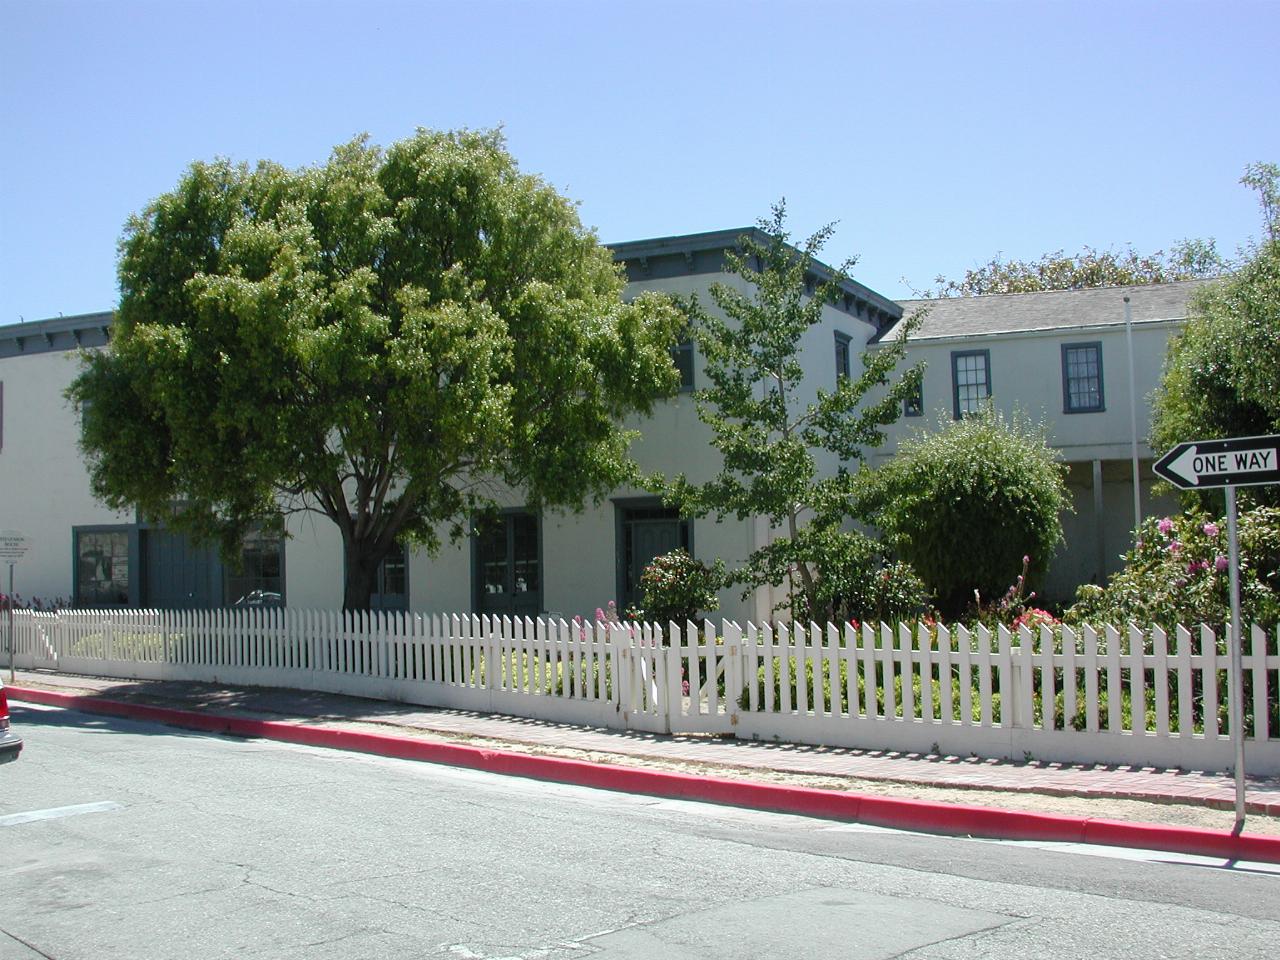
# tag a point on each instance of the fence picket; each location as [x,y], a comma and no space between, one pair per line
[1114,695]
[884,654]
[1160,678]
[1261,726]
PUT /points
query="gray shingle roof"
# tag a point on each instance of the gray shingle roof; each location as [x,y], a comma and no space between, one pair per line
[1022,312]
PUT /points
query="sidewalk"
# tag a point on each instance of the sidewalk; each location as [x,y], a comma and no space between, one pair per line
[1107,792]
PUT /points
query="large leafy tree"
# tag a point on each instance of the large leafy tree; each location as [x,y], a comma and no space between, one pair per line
[1222,374]
[786,447]
[1188,260]
[387,340]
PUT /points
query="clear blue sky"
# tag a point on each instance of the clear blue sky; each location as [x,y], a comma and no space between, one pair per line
[937,133]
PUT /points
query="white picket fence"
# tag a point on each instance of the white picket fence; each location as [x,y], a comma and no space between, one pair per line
[1063,694]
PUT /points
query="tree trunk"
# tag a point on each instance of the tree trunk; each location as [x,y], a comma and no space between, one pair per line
[361,575]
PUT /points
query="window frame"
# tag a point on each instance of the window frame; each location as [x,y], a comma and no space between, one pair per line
[477,581]
[1067,407]
[918,399]
[133,570]
[956,357]
[239,582]
[684,349]
[843,343]
[624,509]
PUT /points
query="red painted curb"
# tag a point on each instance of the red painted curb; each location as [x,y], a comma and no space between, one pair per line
[921,815]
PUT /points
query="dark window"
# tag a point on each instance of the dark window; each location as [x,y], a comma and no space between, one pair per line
[970,380]
[102,569]
[842,355]
[391,589]
[645,531]
[508,562]
[913,406]
[682,357]
[1082,377]
[260,580]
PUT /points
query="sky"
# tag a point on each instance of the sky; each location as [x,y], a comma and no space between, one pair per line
[935,134]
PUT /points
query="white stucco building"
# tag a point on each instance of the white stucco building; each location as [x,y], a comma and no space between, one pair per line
[1060,357]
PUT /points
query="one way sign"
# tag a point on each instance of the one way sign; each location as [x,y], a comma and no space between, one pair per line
[1241,461]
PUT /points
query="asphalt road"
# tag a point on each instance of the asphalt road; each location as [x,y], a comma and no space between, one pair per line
[126,840]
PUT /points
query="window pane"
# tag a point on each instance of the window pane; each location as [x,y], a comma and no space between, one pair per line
[682,357]
[1082,365]
[491,545]
[260,579]
[842,356]
[391,573]
[102,569]
[972,382]
[525,549]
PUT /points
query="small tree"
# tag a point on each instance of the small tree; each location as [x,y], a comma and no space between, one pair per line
[966,504]
[676,588]
[768,436]
[385,340]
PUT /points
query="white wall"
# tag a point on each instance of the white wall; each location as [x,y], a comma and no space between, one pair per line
[44,486]
[1026,375]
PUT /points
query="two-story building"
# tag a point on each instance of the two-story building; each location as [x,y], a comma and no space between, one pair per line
[1060,357]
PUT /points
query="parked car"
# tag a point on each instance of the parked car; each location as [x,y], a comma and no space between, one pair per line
[260,598]
[10,742]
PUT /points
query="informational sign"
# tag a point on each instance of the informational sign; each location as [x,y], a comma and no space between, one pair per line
[12,545]
[1238,462]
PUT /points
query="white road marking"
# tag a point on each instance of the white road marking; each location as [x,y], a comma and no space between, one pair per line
[54,813]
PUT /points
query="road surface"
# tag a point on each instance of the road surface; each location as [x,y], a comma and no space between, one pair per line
[128,840]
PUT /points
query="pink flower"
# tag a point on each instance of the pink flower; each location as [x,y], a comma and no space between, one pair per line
[1210,529]
[1220,563]
[1175,546]
[1025,559]
[1165,525]
[684,687]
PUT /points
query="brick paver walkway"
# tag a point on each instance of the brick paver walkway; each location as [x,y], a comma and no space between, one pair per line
[1118,782]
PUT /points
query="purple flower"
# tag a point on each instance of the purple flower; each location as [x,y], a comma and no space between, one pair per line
[1175,546]
[1210,529]
[1025,559]
[1220,563]
[1165,525]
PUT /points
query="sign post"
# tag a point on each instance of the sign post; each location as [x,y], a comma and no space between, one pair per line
[12,546]
[1204,465]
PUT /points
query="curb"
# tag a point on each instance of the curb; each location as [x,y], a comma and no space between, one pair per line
[919,815]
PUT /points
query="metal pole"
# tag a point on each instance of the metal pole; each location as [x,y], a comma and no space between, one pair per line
[11,674]
[1133,419]
[1237,672]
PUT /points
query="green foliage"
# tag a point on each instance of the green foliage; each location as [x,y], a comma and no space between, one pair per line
[768,431]
[1178,573]
[676,587]
[1222,375]
[1188,260]
[854,578]
[965,505]
[380,340]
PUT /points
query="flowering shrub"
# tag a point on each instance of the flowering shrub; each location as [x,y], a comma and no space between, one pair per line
[1013,609]
[676,587]
[1178,572]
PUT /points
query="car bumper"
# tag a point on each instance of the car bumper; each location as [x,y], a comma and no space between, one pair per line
[10,747]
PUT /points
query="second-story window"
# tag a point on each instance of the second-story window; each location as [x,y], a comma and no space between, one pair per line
[682,357]
[1082,378]
[842,355]
[970,380]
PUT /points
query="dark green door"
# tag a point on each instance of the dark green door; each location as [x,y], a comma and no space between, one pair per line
[179,575]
